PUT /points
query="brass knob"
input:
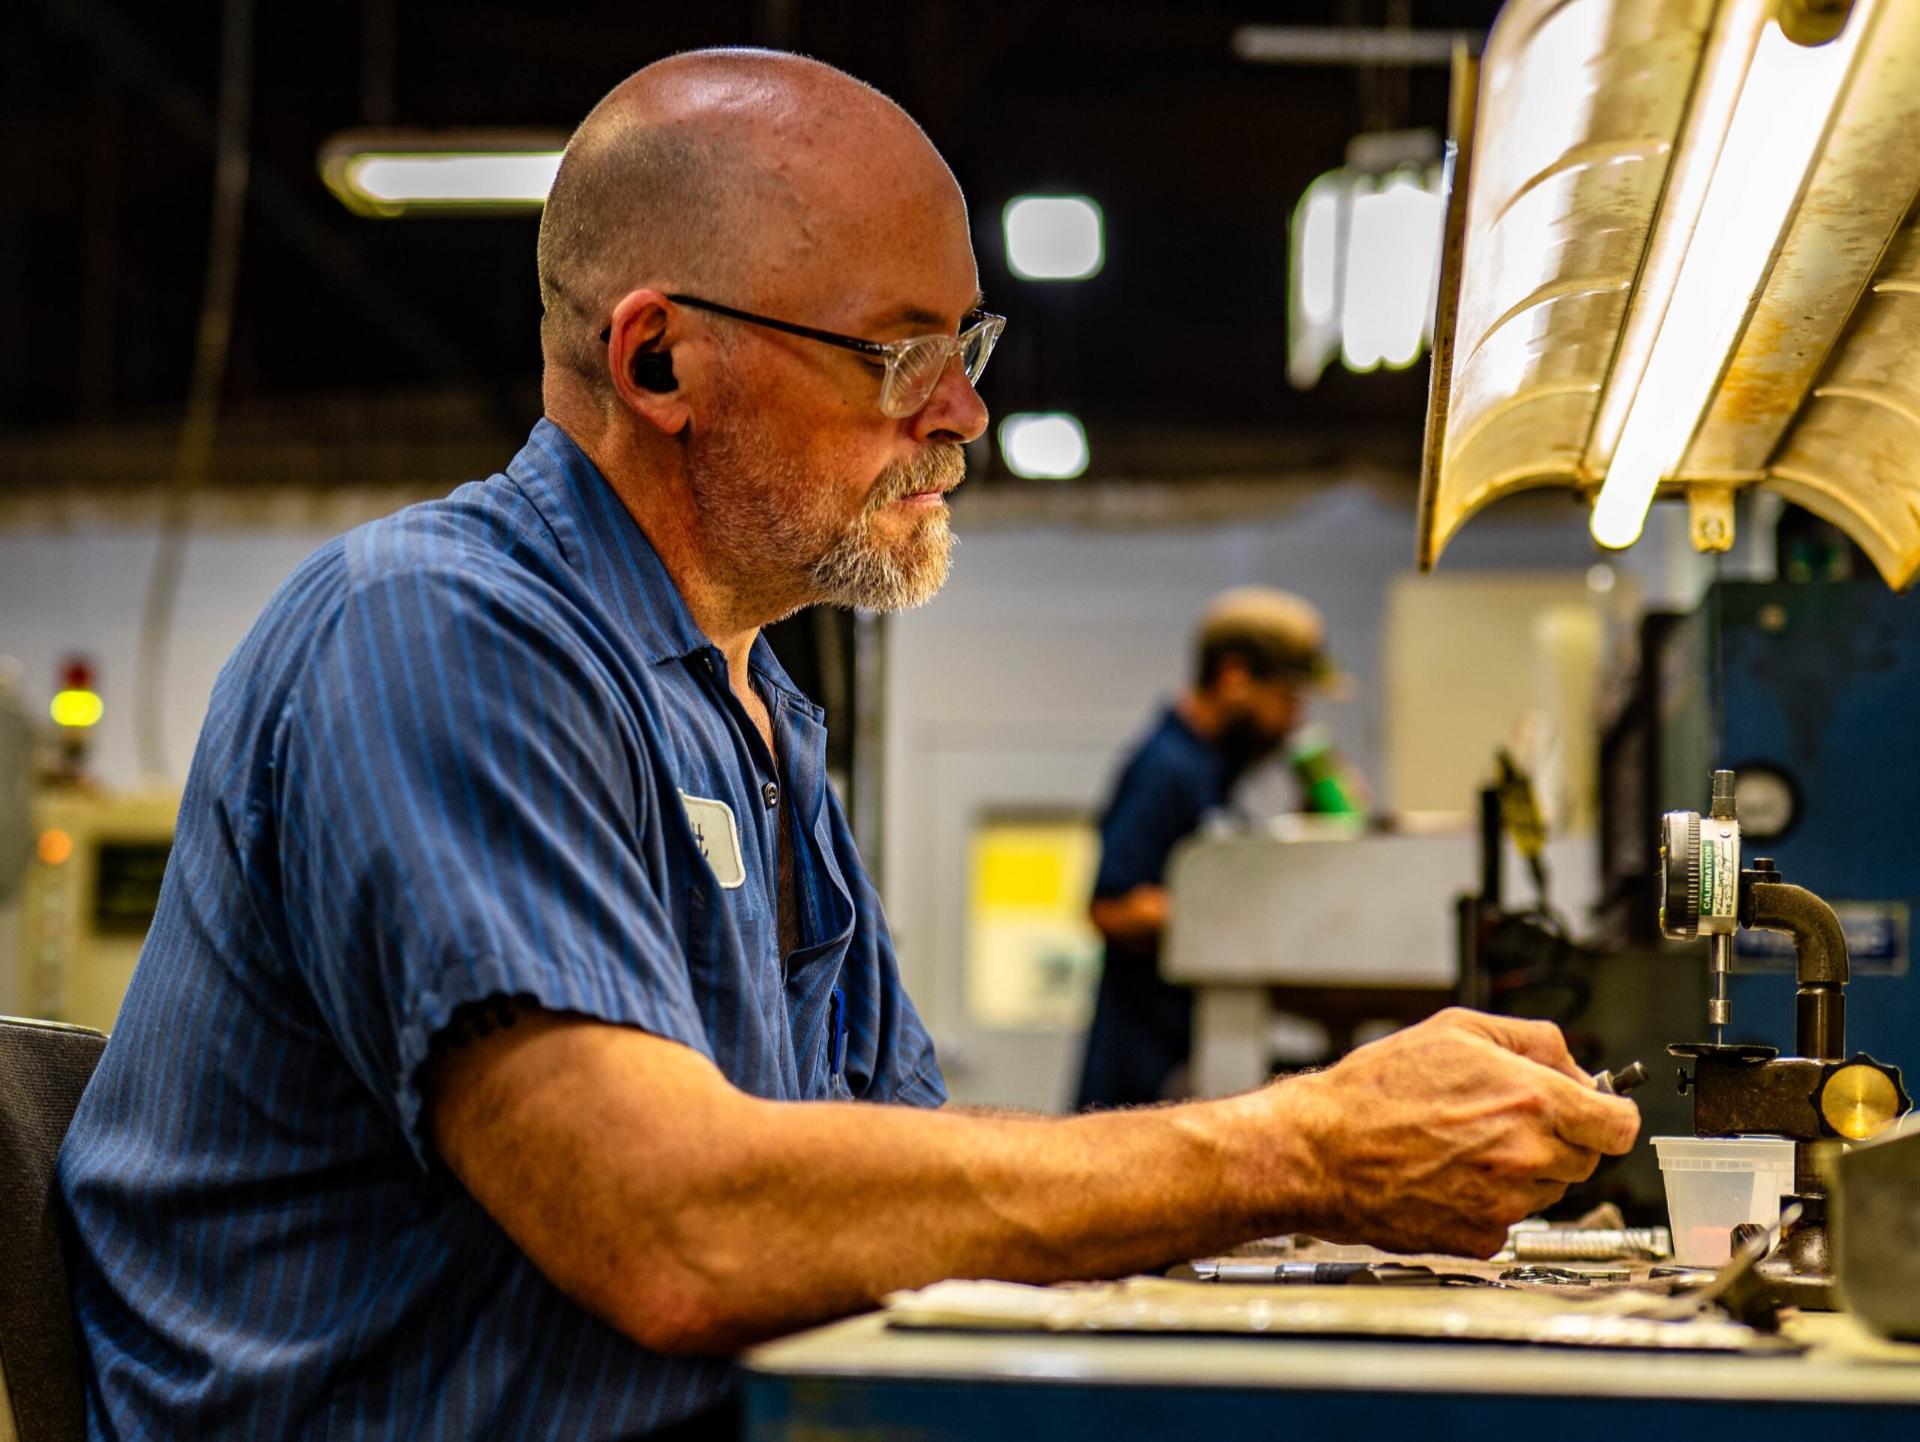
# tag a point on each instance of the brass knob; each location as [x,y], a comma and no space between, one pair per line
[1859,1100]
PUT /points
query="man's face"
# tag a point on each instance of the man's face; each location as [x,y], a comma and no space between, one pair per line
[1258,715]
[802,481]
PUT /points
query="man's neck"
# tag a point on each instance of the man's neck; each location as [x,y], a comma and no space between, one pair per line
[728,610]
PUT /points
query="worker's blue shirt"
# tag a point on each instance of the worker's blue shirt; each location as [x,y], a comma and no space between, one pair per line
[1166,789]
[476,749]
[1142,1025]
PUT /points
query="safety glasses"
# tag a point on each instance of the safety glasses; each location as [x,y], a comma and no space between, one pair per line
[914,366]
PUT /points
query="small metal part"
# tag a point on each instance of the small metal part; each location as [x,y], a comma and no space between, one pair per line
[1362,1274]
[1619,1083]
[1710,518]
[1602,1244]
[1544,1277]
[1720,1005]
[1266,1272]
[1722,805]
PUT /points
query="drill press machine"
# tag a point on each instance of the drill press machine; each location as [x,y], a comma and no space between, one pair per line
[1741,1090]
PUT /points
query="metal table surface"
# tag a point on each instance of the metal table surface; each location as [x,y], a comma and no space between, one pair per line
[858,1379]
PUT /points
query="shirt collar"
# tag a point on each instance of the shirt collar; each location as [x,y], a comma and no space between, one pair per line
[600,539]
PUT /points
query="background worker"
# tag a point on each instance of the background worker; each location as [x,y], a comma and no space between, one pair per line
[1259,653]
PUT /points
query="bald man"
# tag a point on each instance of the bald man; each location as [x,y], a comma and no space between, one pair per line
[519,1035]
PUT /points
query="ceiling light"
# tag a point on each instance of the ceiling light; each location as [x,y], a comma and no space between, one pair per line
[1682,258]
[389,173]
[1392,252]
[1777,123]
[1044,445]
[1365,258]
[1053,237]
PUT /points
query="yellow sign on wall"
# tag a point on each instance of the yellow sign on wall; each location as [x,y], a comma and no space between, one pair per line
[1033,958]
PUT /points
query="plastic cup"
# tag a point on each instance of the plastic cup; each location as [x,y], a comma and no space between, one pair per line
[1714,1184]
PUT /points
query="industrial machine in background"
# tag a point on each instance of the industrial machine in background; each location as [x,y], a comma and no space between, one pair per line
[1308,919]
[1818,685]
[16,781]
[1819,1092]
[91,888]
[80,863]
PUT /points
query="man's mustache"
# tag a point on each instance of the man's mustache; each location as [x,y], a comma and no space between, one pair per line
[939,467]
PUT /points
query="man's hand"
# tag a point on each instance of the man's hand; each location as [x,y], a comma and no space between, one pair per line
[1136,915]
[1441,1136]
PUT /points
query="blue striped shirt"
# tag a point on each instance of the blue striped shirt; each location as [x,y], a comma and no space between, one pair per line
[476,749]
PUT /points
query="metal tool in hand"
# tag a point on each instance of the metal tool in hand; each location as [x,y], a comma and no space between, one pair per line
[1619,1083]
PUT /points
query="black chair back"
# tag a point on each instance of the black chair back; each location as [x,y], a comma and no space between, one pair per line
[44,1066]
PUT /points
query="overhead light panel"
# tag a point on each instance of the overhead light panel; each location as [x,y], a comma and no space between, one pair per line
[1053,237]
[1044,445]
[392,173]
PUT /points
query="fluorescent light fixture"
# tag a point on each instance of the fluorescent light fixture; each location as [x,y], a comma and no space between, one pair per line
[1044,445]
[1317,238]
[1053,237]
[1782,112]
[1393,249]
[446,172]
[1365,268]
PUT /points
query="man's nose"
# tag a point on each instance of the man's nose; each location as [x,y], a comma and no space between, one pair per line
[954,412]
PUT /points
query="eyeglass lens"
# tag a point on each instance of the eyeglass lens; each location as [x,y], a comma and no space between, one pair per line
[917,368]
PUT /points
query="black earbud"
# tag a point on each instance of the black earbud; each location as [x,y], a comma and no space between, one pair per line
[653,371]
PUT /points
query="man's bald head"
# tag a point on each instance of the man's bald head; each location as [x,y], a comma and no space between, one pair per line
[744,175]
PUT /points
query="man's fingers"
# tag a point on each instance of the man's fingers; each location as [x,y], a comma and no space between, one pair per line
[1566,1164]
[1586,1118]
[1545,1194]
[1538,1041]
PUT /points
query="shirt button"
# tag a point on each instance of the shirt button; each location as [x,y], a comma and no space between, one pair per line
[770,793]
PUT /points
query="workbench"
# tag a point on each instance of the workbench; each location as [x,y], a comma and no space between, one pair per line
[859,1379]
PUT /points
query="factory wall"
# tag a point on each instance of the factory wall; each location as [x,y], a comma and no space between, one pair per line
[1049,651]
[83,590]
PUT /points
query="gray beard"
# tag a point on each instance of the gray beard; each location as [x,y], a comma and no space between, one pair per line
[857,572]
[800,561]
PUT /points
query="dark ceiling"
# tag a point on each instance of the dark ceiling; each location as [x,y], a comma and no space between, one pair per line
[1173,355]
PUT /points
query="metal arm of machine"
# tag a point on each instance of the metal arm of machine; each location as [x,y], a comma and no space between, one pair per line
[1821,951]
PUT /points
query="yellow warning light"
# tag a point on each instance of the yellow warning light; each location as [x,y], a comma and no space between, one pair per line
[55,846]
[76,709]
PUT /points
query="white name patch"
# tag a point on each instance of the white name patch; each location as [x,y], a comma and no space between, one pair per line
[719,837]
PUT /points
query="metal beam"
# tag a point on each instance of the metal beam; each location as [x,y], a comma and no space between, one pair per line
[1348,45]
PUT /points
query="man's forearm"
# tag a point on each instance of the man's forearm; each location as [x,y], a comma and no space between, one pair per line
[695,1216]
[856,1201]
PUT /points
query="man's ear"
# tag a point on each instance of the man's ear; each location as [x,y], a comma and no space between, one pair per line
[640,362]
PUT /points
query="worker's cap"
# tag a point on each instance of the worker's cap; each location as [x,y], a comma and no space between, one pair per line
[1285,633]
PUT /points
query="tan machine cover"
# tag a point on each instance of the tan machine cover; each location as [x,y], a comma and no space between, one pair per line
[1564,131]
